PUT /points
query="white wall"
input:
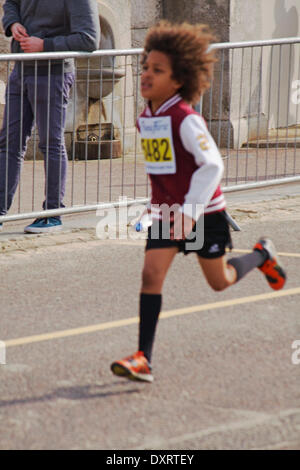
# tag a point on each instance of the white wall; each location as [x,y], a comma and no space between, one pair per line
[260,20]
[264,19]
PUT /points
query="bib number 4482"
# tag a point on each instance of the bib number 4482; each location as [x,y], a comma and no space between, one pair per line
[157,150]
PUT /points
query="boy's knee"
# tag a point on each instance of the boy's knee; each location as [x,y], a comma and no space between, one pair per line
[151,276]
[218,285]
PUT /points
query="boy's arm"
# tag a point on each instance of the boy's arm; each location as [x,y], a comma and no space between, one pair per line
[11,15]
[84,23]
[197,140]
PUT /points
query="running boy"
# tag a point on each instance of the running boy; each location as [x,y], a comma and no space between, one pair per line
[185,169]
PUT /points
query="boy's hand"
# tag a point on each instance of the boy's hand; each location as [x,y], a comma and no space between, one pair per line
[182,227]
[18,31]
[32,44]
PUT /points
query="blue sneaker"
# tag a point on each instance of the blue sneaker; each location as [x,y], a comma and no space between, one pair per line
[44,225]
[1,227]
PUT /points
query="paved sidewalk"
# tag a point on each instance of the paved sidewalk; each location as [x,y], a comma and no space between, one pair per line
[246,207]
[94,182]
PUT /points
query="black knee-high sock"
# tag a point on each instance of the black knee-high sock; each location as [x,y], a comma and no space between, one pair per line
[150,305]
[246,263]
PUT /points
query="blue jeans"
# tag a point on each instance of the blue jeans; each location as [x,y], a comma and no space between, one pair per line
[17,129]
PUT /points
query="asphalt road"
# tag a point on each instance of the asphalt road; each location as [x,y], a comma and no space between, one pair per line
[224,376]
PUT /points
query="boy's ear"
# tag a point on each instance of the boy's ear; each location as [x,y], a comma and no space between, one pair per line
[177,83]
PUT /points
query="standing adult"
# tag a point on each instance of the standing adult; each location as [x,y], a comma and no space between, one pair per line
[42,26]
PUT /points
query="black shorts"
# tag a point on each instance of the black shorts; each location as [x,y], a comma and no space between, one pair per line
[213,242]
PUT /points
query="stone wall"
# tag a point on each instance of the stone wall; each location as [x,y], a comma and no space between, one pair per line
[251,80]
[215,13]
[271,19]
[230,20]
[144,13]
[115,19]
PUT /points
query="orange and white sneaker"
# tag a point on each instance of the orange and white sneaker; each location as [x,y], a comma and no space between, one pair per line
[135,367]
[271,268]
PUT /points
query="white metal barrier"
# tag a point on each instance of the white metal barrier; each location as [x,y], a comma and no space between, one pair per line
[251,110]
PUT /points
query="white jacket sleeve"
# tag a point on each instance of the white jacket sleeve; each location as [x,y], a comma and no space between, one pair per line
[197,140]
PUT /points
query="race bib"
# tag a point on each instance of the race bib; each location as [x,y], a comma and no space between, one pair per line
[157,144]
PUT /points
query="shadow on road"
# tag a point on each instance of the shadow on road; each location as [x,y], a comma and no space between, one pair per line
[85,392]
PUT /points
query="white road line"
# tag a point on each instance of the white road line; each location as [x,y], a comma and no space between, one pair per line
[270,420]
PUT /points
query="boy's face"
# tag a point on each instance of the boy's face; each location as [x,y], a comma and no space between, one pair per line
[157,84]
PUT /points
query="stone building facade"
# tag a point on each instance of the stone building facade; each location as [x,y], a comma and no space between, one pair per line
[236,21]
[125,23]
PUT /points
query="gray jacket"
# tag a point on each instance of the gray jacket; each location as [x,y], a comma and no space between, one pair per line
[65,25]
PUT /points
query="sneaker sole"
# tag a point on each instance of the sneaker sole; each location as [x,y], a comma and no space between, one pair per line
[43,230]
[122,371]
[276,282]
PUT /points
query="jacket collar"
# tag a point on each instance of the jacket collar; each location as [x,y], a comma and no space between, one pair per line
[165,106]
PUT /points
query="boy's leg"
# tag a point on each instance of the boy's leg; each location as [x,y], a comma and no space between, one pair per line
[156,265]
[221,273]
[217,272]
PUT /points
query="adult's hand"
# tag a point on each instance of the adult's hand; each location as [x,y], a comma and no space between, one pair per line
[32,44]
[18,31]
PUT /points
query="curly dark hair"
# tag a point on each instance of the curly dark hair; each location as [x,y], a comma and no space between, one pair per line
[187,47]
